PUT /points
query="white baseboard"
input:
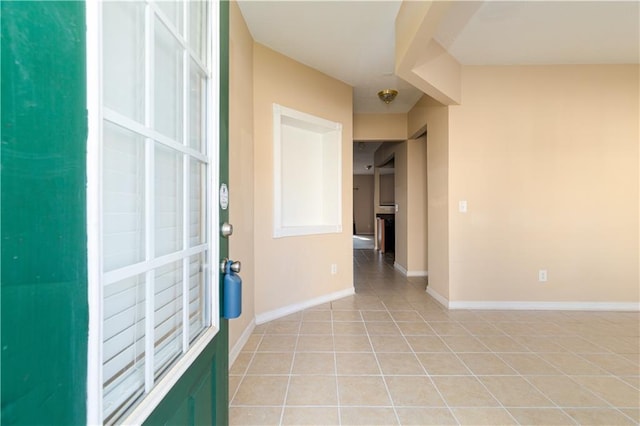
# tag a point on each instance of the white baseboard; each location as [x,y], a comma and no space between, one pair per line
[400,268]
[439,298]
[546,306]
[244,337]
[297,307]
[533,306]
[407,273]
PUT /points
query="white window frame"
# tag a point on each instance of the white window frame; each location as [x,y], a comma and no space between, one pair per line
[96,115]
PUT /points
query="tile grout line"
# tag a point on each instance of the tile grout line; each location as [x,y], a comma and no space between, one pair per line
[375,354]
[558,406]
[335,365]
[532,336]
[293,361]
[497,354]
[246,370]
[446,403]
[491,351]
[562,373]
[610,405]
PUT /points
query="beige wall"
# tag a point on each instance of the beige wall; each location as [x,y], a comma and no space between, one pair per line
[417,206]
[547,158]
[410,188]
[363,203]
[437,119]
[401,197]
[411,201]
[420,59]
[241,191]
[417,116]
[296,269]
[379,127]
[383,154]
[387,188]
[430,116]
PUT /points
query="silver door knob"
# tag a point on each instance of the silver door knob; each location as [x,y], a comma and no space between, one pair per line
[236,266]
[226,229]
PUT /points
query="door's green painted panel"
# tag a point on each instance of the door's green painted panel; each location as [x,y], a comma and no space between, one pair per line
[201,413]
[192,411]
[224,107]
[177,408]
[201,396]
[221,373]
[43,277]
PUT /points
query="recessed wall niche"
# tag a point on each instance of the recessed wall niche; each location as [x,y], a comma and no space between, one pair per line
[307,174]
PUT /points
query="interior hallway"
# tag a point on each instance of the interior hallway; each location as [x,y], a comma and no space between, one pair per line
[392,355]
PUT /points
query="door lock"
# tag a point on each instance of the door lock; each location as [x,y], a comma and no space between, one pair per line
[226,229]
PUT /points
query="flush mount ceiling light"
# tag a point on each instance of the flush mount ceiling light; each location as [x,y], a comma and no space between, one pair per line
[387,95]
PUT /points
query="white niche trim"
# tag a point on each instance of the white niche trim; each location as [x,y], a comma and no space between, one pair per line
[307,160]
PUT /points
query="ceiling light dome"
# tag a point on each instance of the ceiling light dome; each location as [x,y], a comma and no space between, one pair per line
[387,95]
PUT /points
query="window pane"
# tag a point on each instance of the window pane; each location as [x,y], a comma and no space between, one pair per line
[172,10]
[197,27]
[196,203]
[123,64]
[168,83]
[123,197]
[197,297]
[168,315]
[167,97]
[123,344]
[168,200]
[197,125]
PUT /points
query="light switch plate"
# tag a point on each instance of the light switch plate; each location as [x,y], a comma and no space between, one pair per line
[462,206]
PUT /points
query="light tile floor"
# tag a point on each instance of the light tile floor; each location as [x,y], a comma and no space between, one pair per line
[392,355]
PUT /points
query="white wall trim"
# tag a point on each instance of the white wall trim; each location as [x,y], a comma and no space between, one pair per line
[439,298]
[408,273]
[162,387]
[244,337]
[533,306]
[94,263]
[297,307]
[546,306]
[400,268]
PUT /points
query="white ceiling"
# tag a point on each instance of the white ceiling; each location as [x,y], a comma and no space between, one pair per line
[353,41]
[363,157]
[542,32]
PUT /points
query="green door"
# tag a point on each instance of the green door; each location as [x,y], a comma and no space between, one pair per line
[44,253]
[48,363]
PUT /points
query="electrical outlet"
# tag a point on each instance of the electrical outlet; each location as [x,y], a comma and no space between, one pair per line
[542,275]
[334,269]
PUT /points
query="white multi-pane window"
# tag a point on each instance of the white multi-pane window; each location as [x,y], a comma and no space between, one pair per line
[155,168]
